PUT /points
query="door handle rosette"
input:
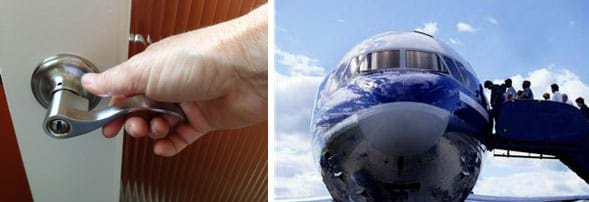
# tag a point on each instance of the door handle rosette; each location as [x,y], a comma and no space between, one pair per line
[56,84]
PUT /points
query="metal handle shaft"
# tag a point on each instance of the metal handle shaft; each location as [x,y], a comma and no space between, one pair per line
[67,115]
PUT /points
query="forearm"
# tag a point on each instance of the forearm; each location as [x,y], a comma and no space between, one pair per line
[246,47]
[242,43]
[251,39]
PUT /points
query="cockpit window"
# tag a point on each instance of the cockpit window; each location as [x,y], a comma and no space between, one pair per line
[361,63]
[422,60]
[453,69]
[354,64]
[382,60]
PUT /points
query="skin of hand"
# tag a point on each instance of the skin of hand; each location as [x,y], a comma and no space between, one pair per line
[218,75]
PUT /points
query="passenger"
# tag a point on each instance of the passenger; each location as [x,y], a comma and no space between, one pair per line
[546,96]
[565,99]
[555,94]
[497,97]
[527,92]
[510,93]
[497,93]
[581,103]
[519,94]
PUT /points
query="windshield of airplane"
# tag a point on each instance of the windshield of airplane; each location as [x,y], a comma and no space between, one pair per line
[422,60]
[383,59]
[392,59]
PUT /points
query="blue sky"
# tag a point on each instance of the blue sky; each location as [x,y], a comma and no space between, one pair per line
[528,34]
[542,41]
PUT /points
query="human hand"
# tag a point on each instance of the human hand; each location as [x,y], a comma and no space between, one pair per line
[218,75]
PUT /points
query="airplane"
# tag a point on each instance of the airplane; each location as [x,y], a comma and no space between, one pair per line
[403,117]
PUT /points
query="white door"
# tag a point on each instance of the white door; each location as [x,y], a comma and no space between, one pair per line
[83,168]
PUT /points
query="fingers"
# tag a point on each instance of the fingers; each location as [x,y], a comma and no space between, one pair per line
[118,98]
[124,79]
[172,120]
[112,129]
[159,128]
[136,126]
[184,135]
[166,148]
[195,117]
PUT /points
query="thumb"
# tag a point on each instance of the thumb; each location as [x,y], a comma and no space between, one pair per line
[123,79]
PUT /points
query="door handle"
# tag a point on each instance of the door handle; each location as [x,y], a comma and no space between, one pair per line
[56,84]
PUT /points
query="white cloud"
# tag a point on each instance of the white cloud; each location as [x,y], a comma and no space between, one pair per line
[455,41]
[464,27]
[542,78]
[572,23]
[299,64]
[295,91]
[340,20]
[492,20]
[430,28]
[296,174]
[294,101]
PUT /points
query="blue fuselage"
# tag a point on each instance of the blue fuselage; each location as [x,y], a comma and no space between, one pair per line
[469,109]
[399,134]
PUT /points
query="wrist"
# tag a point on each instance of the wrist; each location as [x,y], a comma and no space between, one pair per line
[245,48]
[246,44]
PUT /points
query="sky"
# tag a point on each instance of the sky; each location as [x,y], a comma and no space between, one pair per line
[542,41]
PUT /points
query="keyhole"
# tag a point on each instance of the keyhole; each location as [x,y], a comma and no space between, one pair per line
[59,126]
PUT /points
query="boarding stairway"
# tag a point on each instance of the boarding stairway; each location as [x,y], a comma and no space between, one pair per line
[542,130]
[516,154]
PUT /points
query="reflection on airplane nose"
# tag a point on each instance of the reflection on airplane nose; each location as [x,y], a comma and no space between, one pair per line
[403,128]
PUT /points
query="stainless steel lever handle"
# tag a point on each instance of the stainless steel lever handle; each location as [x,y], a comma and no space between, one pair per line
[56,85]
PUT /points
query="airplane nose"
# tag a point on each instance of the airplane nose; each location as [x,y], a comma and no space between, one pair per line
[403,128]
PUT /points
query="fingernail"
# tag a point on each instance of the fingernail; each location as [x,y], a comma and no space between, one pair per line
[89,82]
[128,128]
[88,79]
